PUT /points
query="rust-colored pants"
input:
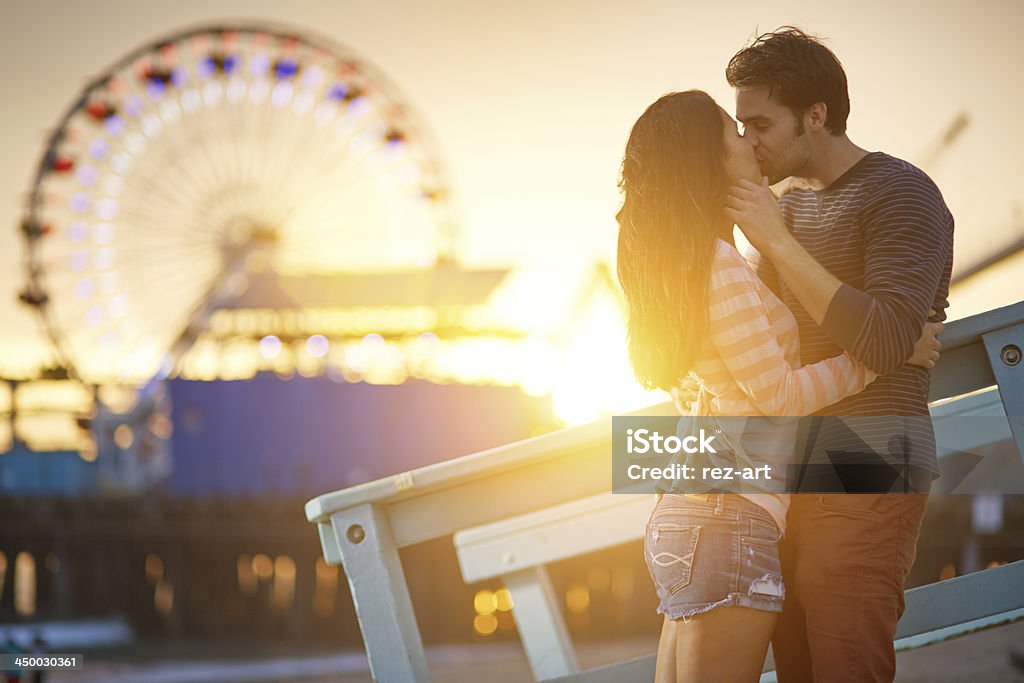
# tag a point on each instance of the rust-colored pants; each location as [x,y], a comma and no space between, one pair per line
[845,558]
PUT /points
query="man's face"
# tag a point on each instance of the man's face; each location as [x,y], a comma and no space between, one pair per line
[780,143]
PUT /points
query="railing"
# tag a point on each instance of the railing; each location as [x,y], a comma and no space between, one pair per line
[560,474]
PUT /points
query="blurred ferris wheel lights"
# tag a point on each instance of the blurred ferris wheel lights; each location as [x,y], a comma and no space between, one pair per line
[394,137]
[63,164]
[34,230]
[168,51]
[157,76]
[163,177]
[99,110]
[33,297]
[286,68]
[216,63]
[341,92]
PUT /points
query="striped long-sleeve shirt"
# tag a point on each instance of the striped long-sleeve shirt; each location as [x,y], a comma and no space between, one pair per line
[749,365]
[884,230]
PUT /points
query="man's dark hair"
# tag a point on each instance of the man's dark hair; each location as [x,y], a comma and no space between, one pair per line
[798,69]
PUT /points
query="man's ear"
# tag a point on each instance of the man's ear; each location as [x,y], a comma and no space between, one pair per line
[816,115]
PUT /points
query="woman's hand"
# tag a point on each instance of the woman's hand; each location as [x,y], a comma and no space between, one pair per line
[684,395]
[754,209]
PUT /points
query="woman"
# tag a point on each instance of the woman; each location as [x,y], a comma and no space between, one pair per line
[697,309]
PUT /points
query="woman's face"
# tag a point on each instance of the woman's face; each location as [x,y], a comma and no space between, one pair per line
[740,162]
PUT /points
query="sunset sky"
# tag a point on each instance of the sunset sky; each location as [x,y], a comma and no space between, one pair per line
[531,102]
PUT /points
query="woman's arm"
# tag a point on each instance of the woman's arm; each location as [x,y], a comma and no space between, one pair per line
[740,331]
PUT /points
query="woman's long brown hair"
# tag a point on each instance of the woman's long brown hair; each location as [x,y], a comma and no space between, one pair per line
[673,183]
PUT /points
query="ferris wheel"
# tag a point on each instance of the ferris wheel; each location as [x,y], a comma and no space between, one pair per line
[203,156]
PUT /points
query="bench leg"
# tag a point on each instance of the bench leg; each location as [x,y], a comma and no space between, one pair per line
[375,577]
[539,622]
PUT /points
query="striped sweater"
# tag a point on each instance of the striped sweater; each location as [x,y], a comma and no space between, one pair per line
[749,365]
[883,229]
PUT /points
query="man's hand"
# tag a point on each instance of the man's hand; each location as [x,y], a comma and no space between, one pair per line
[684,395]
[754,209]
[926,350]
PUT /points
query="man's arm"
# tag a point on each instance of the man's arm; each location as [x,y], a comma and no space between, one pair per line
[812,285]
[908,241]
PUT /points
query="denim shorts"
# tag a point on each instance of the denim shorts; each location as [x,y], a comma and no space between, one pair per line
[707,550]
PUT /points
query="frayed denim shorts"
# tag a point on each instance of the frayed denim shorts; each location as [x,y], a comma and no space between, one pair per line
[708,550]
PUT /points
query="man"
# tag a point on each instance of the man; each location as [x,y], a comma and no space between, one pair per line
[862,257]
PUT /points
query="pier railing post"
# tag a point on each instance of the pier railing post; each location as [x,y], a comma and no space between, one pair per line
[1005,350]
[381,596]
